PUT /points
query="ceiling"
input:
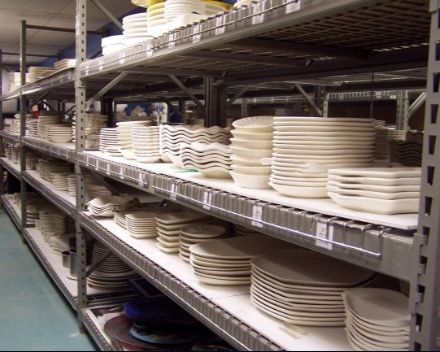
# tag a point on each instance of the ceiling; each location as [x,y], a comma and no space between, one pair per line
[53,13]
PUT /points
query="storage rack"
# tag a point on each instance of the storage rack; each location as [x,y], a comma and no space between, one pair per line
[310,41]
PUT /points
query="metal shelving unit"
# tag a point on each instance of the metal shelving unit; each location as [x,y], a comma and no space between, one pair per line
[11,167]
[314,42]
[14,212]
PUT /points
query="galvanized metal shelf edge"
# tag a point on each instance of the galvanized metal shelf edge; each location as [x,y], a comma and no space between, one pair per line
[11,167]
[10,136]
[94,331]
[16,217]
[52,149]
[220,321]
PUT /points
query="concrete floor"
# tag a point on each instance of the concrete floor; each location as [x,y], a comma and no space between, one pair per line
[33,316]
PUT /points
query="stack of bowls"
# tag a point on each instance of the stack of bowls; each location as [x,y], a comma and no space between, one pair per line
[145,143]
[112,44]
[157,24]
[174,8]
[135,29]
[252,142]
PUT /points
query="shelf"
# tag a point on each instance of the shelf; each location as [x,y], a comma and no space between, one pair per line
[12,168]
[93,326]
[65,151]
[13,211]
[11,137]
[60,199]
[239,324]
[283,37]
[381,243]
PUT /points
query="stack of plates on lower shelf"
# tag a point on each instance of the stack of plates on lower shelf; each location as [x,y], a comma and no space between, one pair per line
[47,168]
[306,147]
[108,205]
[377,319]
[173,136]
[47,118]
[111,273]
[199,233]
[64,64]
[59,133]
[112,44]
[175,8]
[376,190]
[251,143]
[157,24]
[135,28]
[168,228]
[228,261]
[32,127]
[59,180]
[212,160]
[301,287]
[142,224]
[52,222]
[36,72]
[110,143]
[145,143]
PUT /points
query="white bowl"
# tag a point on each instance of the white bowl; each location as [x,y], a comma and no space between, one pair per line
[251,153]
[255,124]
[250,181]
[251,170]
[300,192]
[244,143]
[263,136]
[240,161]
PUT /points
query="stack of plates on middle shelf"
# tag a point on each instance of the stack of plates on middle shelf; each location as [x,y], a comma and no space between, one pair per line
[110,143]
[47,118]
[377,319]
[112,44]
[252,142]
[47,168]
[392,190]
[198,233]
[190,10]
[59,180]
[384,136]
[111,273]
[107,206]
[59,133]
[306,147]
[173,136]
[169,226]
[302,287]
[52,222]
[135,28]
[124,136]
[36,72]
[32,128]
[227,261]
[157,24]
[93,124]
[64,64]
[15,124]
[12,152]
[93,188]
[145,143]
[212,160]
[407,152]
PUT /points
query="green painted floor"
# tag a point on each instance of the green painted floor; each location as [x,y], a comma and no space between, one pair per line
[33,314]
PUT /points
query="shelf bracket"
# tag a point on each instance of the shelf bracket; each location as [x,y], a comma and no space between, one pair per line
[309,100]
[238,95]
[416,104]
[104,10]
[105,89]
[188,92]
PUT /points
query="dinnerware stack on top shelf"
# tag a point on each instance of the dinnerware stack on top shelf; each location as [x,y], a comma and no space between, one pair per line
[135,29]
[227,261]
[302,287]
[111,273]
[213,160]
[106,206]
[169,225]
[179,13]
[92,187]
[47,118]
[306,147]
[36,72]
[377,319]
[47,168]
[198,233]
[251,143]
[157,24]
[376,190]
[59,133]
[173,137]
[112,44]
[145,141]
[64,64]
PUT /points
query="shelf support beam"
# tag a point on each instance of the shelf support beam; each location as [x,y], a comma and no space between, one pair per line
[105,89]
[309,100]
[104,10]
[420,100]
[237,95]
[187,91]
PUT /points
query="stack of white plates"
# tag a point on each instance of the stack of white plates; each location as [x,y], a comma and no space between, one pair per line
[59,180]
[194,234]
[93,188]
[47,118]
[64,64]
[301,287]
[168,228]
[306,147]
[174,8]
[157,24]
[107,206]
[110,143]
[36,72]
[145,143]
[112,44]
[407,152]
[12,152]
[32,127]
[252,142]
[384,136]
[93,124]
[376,190]
[377,319]
[33,204]
[47,168]
[112,273]
[142,224]
[173,136]
[14,81]
[14,127]
[119,219]
[59,133]
[213,160]
[227,261]
[124,136]
[52,221]
[135,28]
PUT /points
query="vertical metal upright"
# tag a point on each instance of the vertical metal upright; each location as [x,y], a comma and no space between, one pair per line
[215,101]
[425,283]
[2,124]
[80,106]
[402,113]
[23,186]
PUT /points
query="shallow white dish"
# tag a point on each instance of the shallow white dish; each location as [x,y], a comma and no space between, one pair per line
[254,124]
[251,170]
[257,136]
[300,192]
[257,144]
[250,181]
[251,153]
